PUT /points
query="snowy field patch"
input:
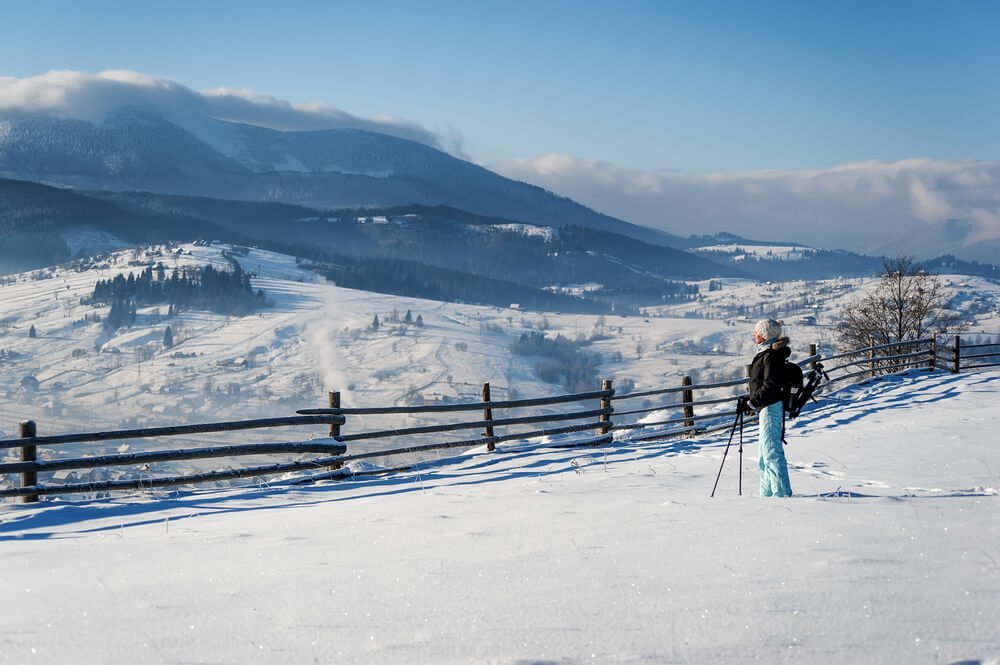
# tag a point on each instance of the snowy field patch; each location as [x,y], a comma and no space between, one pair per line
[775,252]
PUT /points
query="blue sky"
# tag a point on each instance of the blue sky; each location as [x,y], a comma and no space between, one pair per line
[694,86]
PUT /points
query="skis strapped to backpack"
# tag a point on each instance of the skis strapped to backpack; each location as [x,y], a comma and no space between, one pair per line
[797,399]
[810,383]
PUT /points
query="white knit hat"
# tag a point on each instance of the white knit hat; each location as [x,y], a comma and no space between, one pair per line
[768,328]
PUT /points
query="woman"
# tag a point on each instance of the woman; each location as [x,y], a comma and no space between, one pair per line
[765,398]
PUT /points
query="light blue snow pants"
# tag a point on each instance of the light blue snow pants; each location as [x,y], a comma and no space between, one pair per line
[773,468]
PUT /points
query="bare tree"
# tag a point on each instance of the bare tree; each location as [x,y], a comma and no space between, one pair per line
[907,305]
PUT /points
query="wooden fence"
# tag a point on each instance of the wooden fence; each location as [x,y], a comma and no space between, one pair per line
[30,466]
[641,416]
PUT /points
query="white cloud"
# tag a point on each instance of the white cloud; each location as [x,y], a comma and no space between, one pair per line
[929,204]
[868,206]
[90,97]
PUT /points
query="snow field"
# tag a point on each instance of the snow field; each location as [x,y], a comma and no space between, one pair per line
[888,553]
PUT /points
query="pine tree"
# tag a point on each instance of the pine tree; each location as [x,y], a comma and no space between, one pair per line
[420,321]
[375,324]
[32,333]
[168,338]
[409,317]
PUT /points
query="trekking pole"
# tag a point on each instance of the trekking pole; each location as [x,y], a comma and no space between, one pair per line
[738,421]
[741,454]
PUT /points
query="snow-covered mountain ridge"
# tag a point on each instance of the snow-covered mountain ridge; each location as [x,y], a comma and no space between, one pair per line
[141,150]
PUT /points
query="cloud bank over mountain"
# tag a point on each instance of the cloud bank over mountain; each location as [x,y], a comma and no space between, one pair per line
[923,207]
[91,97]
[919,206]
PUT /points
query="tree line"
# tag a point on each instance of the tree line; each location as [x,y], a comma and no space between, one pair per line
[220,291]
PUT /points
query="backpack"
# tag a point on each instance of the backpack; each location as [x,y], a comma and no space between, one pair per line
[791,386]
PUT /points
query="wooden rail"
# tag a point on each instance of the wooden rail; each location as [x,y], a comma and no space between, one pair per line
[148,432]
[958,355]
[29,466]
[462,406]
[328,446]
[597,420]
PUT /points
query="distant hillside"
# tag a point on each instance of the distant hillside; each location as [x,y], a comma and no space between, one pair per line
[448,237]
[777,261]
[36,222]
[949,264]
[402,250]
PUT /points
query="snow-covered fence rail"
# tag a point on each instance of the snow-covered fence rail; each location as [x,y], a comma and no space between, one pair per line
[597,420]
[879,359]
[29,467]
[687,420]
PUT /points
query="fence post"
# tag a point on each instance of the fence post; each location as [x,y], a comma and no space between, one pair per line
[605,404]
[687,397]
[29,454]
[932,354]
[488,415]
[958,354]
[871,357]
[812,352]
[334,400]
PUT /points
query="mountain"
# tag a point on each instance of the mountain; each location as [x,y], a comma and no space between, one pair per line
[437,252]
[42,225]
[441,235]
[133,150]
[137,176]
[964,238]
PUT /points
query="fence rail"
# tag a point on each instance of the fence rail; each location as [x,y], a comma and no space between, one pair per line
[959,360]
[328,446]
[468,406]
[30,466]
[148,432]
[711,411]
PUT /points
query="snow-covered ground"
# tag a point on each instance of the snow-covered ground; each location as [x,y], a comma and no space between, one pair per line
[888,553]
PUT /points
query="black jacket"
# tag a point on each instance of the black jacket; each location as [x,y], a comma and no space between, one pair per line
[766,374]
